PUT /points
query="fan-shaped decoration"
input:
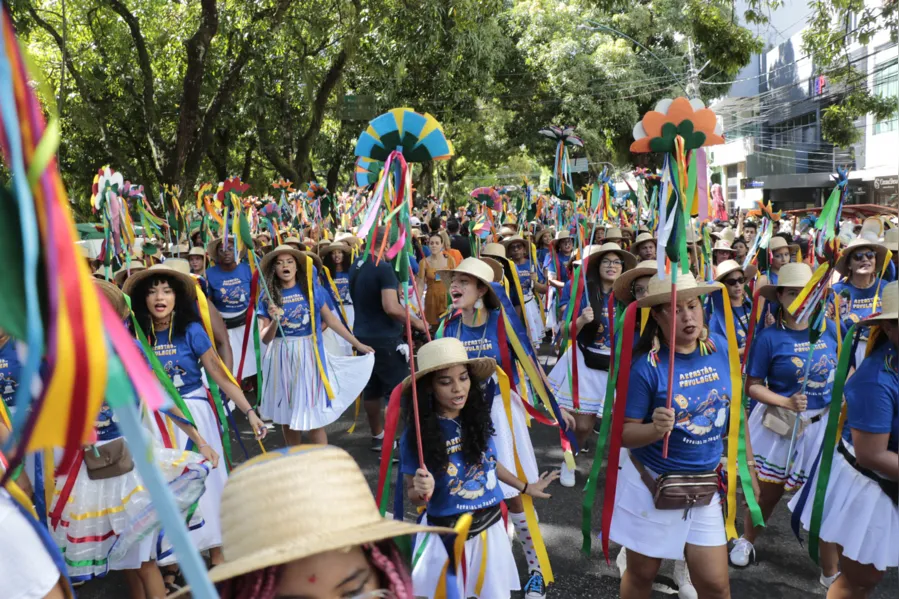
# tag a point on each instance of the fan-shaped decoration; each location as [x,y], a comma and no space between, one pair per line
[418,136]
[367,171]
[689,119]
[562,134]
[488,196]
[764,210]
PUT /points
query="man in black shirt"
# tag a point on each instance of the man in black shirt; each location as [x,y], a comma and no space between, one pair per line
[380,320]
[457,242]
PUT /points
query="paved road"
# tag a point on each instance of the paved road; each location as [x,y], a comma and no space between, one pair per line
[784,569]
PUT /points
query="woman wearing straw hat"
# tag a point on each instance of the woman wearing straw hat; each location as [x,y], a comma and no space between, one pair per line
[229,285]
[860,515]
[556,266]
[460,470]
[305,388]
[103,523]
[429,281]
[644,247]
[861,265]
[196,257]
[722,251]
[734,278]
[695,423]
[476,324]
[163,301]
[543,241]
[779,252]
[532,283]
[336,260]
[787,386]
[605,264]
[324,540]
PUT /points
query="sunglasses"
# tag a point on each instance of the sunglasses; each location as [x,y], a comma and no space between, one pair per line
[735,282]
[859,256]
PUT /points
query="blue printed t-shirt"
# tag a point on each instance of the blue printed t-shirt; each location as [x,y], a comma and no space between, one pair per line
[462,487]
[872,396]
[180,357]
[550,265]
[717,322]
[9,372]
[230,290]
[603,340]
[779,355]
[106,424]
[701,396]
[296,321]
[856,304]
[367,280]
[342,282]
[891,273]
[524,277]
[479,342]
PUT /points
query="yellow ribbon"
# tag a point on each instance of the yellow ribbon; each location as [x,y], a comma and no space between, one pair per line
[315,326]
[736,414]
[819,274]
[463,524]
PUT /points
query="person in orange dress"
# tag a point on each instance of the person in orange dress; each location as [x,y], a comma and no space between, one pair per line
[429,281]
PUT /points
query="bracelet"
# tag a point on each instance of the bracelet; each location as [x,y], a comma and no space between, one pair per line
[750,463]
[247,413]
[525,489]
[202,446]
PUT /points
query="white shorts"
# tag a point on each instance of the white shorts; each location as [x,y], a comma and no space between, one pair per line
[662,534]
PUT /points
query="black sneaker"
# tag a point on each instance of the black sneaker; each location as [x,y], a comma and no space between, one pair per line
[376,444]
[535,588]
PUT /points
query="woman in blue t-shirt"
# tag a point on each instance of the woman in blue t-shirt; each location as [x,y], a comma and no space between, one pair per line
[775,378]
[533,285]
[734,277]
[163,300]
[557,272]
[336,260]
[860,265]
[695,422]
[860,514]
[461,471]
[778,255]
[294,392]
[594,341]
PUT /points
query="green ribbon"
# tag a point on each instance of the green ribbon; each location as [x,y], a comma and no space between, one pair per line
[258,352]
[605,425]
[223,418]
[755,511]
[830,442]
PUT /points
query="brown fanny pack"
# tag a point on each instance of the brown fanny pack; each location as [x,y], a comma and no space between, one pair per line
[781,421]
[679,490]
[108,460]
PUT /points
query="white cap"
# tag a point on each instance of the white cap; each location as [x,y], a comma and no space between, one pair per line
[414,221]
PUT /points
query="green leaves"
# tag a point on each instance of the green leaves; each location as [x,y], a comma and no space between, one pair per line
[665,143]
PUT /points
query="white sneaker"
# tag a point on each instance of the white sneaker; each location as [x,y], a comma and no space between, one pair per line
[826,581]
[742,552]
[685,588]
[621,561]
[566,477]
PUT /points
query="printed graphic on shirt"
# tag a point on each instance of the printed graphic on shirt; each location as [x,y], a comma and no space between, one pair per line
[472,482]
[698,415]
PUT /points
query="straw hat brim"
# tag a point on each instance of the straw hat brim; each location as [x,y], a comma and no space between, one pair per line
[682,294]
[446,275]
[187,281]
[269,259]
[119,275]
[630,261]
[495,262]
[337,246]
[480,369]
[556,242]
[622,286]
[749,272]
[842,265]
[878,318]
[769,291]
[516,239]
[279,554]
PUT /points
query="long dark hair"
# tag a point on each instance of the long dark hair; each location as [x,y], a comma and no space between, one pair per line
[328,261]
[644,345]
[477,427]
[597,299]
[274,284]
[184,313]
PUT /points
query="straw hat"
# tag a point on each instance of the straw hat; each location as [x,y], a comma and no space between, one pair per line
[722,246]
[269,260]
[687,288]
[166,270]
[596,254]
[872,229]
[891,240]
[889,306]
[879,250]
[508,241]
[416,232]
[496,263]
[481,270]
[622,286]
[100,273]
[793,275]
[296,240]
[729,266]
[507,231]
[727,234]
[561,236]
[196,251]
[779,243]
[120,275]
[612,234]
[181,248]
[445,353]
[293,519]
[114,295]
[641,239]
[179,264]
[494,249]
[337,246]
[587,250]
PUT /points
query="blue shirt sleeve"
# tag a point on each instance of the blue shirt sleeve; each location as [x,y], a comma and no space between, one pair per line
[413,262]
[386,276]
[408,455]
[641,389]
[197,339]
[760,357]
[322,298]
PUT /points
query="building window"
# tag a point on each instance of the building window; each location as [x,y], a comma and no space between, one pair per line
[886,84]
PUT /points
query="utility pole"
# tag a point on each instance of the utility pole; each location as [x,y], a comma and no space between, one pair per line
[693,80]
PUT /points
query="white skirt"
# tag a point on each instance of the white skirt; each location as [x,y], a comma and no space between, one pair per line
[502,438]
[536,328]
[591,385]
[235,337]
[334,343]
[770,449]
[26,569]
[662,534]
[500,571]
[292,389]
[110,524]
[858,516]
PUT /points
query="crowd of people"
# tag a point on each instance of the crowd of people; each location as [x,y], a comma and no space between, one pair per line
[458,345]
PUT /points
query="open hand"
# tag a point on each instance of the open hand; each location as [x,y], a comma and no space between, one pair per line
[568,419]
[537,489]
[364,349]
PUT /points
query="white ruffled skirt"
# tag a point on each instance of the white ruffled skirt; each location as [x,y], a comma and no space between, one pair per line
[591,385]
[235,339]
[292,390]
[858,516]
[334,343]
[770,449]
[489,553]
[502,438]
[536,328]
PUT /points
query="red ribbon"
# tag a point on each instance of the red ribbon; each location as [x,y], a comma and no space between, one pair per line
[579,293]
[72,476]
[627,346]
[672,334]
[753,315]
[391,418]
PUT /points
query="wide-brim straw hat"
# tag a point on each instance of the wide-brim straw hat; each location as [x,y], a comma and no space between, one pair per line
[879,250]
[293,519]
[115,296]
[481,270]
[348,238]
[596,254]
[729,266]
[507,231]
[174,250]
[727,234]
[622,286]
[121,274]
[268,260]
[447,352]
[494,249]
[792,275]
[196,251]
[561,236]
[166,270]
[659,291]
[509,241]
[723,246]
[496,263]
[337,246]
[779,243]
[641,239]
[889,306]
[296,240]
[613,234]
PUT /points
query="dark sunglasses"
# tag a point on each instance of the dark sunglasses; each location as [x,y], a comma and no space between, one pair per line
[859,256]
[735,282]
